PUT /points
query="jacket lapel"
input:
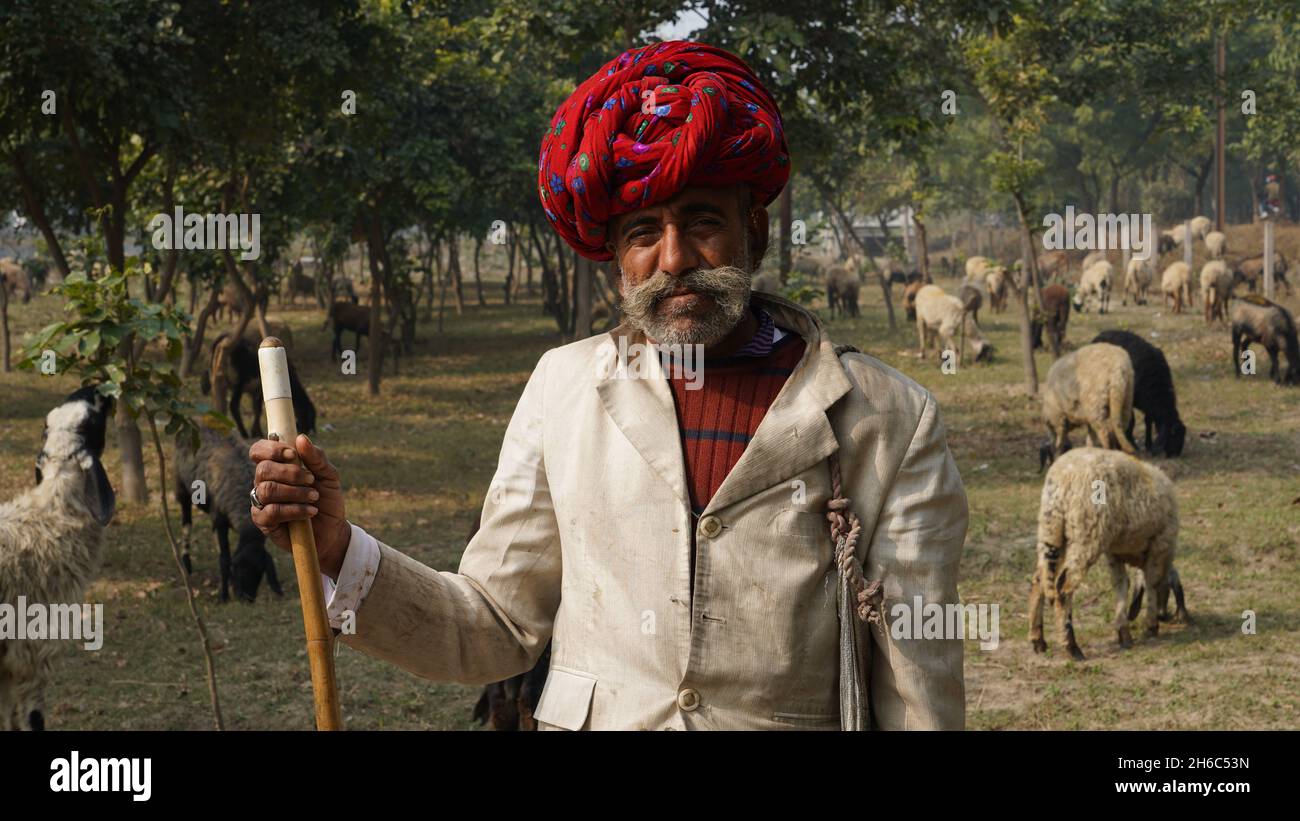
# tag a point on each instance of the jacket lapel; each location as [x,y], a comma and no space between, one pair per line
[795,433]
[643,408]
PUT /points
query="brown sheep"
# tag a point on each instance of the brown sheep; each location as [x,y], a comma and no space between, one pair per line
[1055,317]
[842,289]
[1255,319]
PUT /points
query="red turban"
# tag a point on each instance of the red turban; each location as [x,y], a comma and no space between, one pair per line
[649,123]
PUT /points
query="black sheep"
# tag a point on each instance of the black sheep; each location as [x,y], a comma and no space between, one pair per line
[1153,392]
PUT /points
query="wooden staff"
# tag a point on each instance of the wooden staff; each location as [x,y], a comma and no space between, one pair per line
[281,425]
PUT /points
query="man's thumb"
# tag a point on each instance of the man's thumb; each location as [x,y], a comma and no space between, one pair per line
[313,458]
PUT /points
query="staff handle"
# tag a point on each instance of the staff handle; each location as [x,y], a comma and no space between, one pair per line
[273,363]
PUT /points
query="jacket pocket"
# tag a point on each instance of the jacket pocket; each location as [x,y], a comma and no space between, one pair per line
[566,699]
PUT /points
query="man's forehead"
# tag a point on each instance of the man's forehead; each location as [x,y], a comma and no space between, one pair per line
[726,199]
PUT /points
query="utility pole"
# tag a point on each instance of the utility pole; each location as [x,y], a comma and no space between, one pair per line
[1220,80]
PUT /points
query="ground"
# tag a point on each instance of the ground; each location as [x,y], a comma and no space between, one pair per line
[417,462]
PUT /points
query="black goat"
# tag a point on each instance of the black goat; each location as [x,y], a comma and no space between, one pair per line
[1256,319]
[348,316]
[244,375]
[1153,392]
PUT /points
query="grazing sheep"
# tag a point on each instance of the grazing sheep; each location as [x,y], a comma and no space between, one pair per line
[50,544]
[1100,502]
[1055,317]
[1216,244]
[941,316]
[1053,265]
[1176,284]
[1169,240]
[1092,258]
[221,463]
[909,299]
[977,266]
[297,283]
[1256,319]
[1216,288]
[842,289]
[243,376]
[972,298]
[1137,279]
[1153,392]
[1091,387]
[1201,227]
[1096,282]
[995,279]
[1252,271]
[14,278]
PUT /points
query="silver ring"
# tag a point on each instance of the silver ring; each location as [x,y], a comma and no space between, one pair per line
[252,496]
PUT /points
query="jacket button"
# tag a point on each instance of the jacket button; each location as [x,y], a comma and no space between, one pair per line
[688,699]
[710,526]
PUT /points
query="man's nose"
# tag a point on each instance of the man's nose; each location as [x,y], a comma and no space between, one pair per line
[677,254]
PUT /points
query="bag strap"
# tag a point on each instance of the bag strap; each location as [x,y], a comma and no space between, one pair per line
[858,599]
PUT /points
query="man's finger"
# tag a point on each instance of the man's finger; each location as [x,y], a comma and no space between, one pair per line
[267,450]
[278,514]
[268,492]
[314,458]
[280,472]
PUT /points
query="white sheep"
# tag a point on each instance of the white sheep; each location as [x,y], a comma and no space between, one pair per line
[1216,288]
[1176,284]
[1096,282]
[50,543]
[995,281]
[1101,502]
[1201,226]
[1137,279]
[1216,244]
[940,317]
[976,267]
[1091,387]
[1091,259]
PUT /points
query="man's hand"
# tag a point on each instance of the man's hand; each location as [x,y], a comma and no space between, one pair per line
[294,493]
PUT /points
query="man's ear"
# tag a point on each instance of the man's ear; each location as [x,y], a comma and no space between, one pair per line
[758,235]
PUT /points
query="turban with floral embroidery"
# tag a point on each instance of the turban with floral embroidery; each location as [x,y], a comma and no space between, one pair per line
[649,123]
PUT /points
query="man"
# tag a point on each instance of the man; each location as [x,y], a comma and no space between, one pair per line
[669,534]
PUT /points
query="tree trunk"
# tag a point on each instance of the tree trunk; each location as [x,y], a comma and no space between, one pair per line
[478,279]
[377,340]
[583,272]
[922,248]
[453,270]
[4,324]
[130,448]
[195,344]
[35,207]
[512,246]
[1021,294]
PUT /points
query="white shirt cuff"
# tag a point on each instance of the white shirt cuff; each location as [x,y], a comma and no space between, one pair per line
[360,566]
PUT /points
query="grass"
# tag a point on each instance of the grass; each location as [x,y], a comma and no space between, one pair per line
[417,463]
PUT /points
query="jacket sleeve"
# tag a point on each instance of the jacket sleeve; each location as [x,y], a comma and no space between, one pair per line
[917,682]
[492,619]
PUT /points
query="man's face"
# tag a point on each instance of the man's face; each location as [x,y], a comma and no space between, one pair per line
[686,263]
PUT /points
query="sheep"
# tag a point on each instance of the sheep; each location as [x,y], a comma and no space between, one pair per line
[1256,319]
[14,278]
[977,266]
[1137,279]
[297,283]
[842,289]
[1216,288]
[1100,502]
[1162,611]
[1092,258]
[50,544]
[1153,392]
[1055,317]
[1091,387]
[1053,265]
[1201,227]
[909,299]
[1169,239]
[1252,271]
[995,279]
[972,298]
[942,315]
[1175,284]
[1216,244]
[1097,281]
[221,463]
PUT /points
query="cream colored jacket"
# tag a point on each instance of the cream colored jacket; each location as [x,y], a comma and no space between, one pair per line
[586,540]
